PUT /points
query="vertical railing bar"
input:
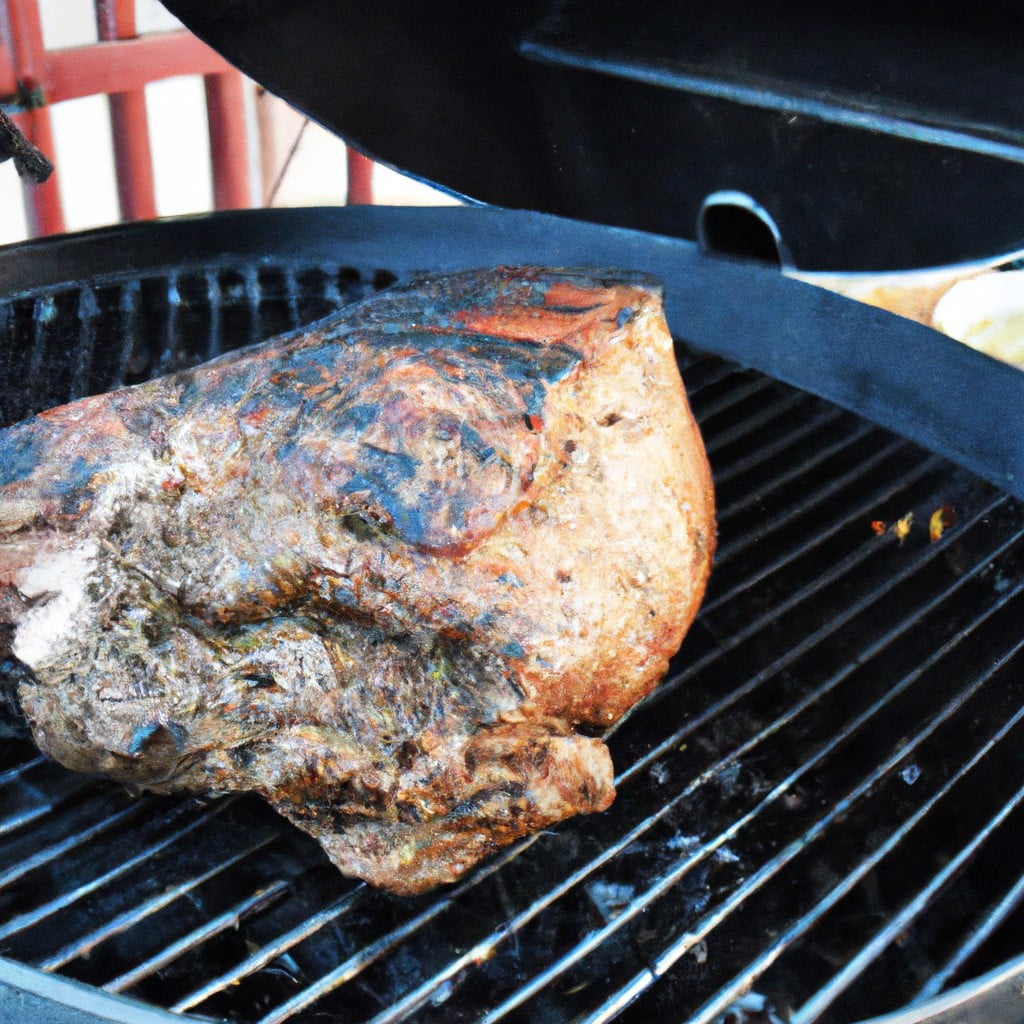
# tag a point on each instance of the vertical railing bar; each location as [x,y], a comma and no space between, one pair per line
[129,122]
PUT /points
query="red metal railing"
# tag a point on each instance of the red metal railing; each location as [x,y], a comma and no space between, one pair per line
[129,122]
[360,179]
[120,65]
[27,82]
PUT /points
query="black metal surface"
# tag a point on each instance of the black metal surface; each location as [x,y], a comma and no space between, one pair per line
[897,373]
[818,812]
[875,138]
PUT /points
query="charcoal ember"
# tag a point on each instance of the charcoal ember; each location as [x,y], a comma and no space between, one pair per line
[380,570]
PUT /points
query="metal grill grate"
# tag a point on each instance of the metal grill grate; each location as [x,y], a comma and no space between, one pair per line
[817,811]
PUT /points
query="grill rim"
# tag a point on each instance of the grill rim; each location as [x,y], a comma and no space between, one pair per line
[30,994]
[993,996]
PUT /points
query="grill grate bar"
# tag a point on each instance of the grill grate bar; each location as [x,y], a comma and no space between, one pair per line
[736,394]
[728,994]
[824,997]
[841,806]
[131,293]
[350,967]
[853,609]
[356,963]
[782,479]
[59,793]
[228,919]
[7,364]
[20,769]
[16,821]
[32,917]
[166,356]
[720,438]
[753,410]
[34,375]
[613,1007]
[993,918]
[332,293]
[272,951]
[251,285]
[824,417]
[636,906]
[819,536]
[88,313]
[484,948]
[702,371]
[56,850]
[554,892]
[213,344]
[292,295]
[131,917]
[755,881]
[835,485]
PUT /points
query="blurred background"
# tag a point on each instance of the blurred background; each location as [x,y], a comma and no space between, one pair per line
[274,156]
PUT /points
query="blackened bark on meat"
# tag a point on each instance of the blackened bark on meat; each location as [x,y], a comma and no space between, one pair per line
[13,675]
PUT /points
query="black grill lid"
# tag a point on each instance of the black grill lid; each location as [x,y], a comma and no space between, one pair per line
[865,136]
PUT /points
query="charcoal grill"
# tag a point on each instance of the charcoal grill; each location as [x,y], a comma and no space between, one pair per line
[818,812]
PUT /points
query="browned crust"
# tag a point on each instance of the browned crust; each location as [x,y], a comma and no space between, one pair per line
[537,519]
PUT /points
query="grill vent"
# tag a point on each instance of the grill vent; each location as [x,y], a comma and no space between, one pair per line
[817,811]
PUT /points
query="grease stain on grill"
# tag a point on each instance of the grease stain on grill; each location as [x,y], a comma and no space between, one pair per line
[773,824]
